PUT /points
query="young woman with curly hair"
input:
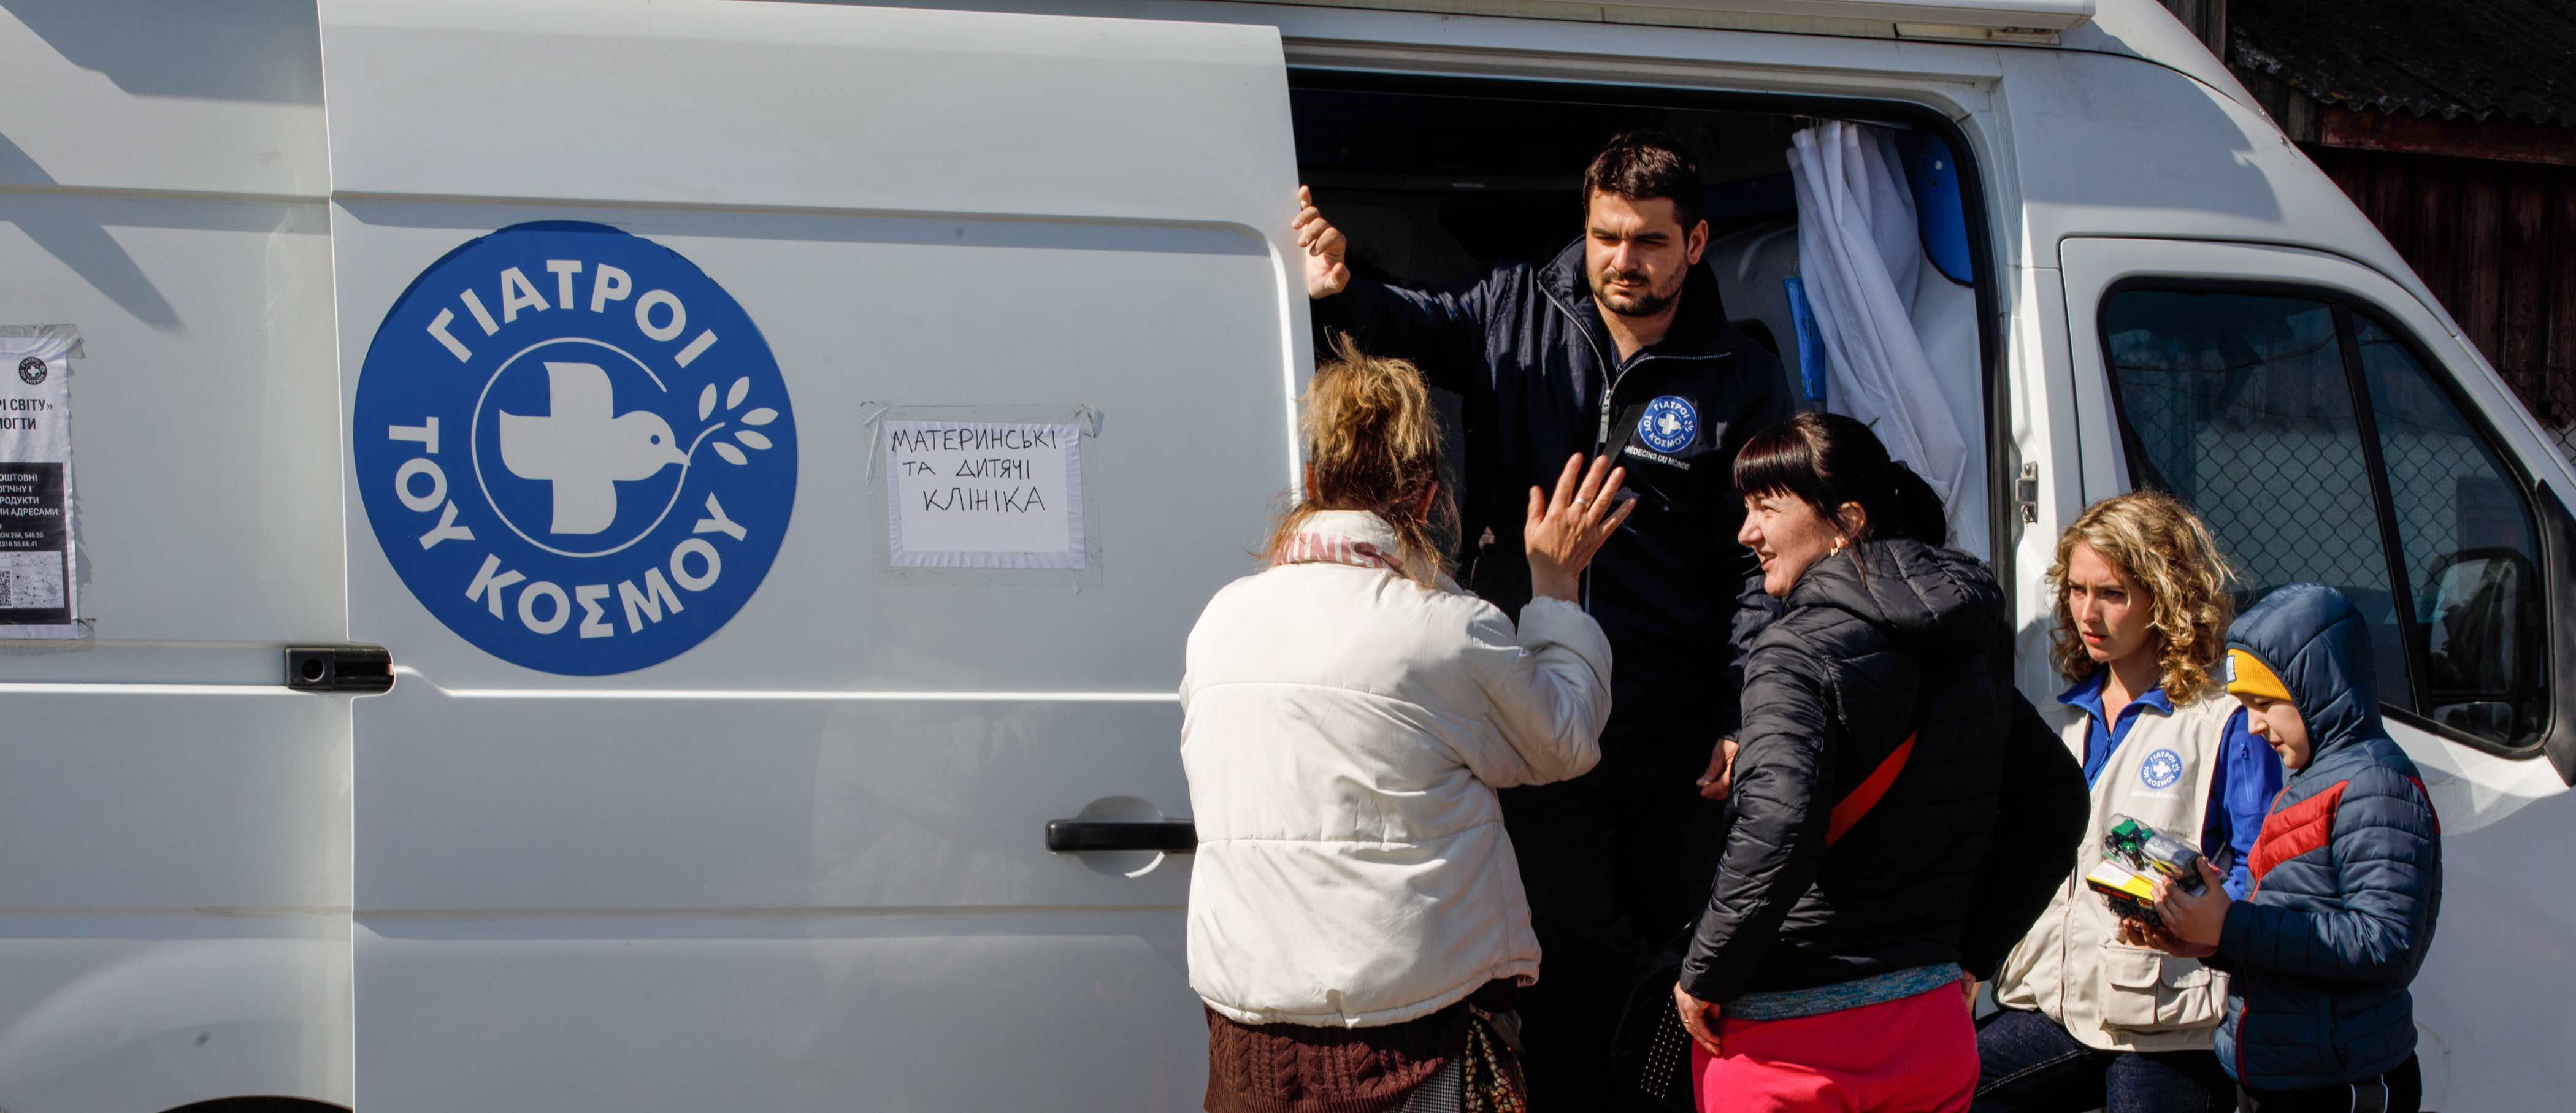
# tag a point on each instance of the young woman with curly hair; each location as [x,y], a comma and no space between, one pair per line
[2092,1018]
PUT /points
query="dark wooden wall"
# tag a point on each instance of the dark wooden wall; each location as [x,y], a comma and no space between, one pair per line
[2205,19]
[2496,242]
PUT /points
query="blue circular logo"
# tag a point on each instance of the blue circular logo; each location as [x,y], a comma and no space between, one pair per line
[575,448]
[1669,424]
[2161,769]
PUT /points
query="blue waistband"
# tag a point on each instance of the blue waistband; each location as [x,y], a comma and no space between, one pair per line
[1842,995]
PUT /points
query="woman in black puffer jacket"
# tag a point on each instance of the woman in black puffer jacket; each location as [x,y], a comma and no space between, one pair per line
[1899,814]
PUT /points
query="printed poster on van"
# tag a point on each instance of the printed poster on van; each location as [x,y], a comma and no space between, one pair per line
[36,583]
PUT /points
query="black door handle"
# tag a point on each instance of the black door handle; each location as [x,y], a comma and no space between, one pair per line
[339,668]
[1171,836]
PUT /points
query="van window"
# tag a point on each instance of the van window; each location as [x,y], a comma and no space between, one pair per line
[2319,448]
[2239,406]
[2465,535]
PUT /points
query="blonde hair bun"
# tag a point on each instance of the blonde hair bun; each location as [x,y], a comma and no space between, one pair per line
[1372,443]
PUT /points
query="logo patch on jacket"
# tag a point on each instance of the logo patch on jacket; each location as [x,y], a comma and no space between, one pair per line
[1669,424]
[2161,769]
[575,448]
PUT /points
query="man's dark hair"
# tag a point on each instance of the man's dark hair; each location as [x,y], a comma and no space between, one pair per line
[1639,165]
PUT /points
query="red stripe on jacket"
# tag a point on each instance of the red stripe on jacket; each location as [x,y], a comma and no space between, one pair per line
[2293,831]
[2428,803]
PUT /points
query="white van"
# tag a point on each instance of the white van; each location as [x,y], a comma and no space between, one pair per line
[737,789]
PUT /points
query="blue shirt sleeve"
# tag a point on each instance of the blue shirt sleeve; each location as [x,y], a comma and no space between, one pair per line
[2240,795]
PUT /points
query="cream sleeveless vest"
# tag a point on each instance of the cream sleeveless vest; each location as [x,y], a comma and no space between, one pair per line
[2072,966]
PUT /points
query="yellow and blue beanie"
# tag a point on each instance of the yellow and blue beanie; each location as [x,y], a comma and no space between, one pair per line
[2248,675]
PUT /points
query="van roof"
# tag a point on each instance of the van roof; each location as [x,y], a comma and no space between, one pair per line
[2140,29]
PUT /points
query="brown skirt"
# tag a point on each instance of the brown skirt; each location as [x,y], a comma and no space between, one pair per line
[1298,1068]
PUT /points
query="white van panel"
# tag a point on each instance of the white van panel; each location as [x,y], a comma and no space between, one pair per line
[740,103]
[1049,1010]
[2110,146]
[153,1012]
[253,776]
[174,827]
[161,172]
[803,863]
[204,400]
[176,867]
[749,804]
[848,902]
[206,98]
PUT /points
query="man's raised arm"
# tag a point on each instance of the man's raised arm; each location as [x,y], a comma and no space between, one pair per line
[1326,273]
[1442,332]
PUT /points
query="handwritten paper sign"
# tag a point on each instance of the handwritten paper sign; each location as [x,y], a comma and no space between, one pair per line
[983,494]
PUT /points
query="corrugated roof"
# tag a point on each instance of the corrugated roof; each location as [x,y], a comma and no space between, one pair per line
[2478,58]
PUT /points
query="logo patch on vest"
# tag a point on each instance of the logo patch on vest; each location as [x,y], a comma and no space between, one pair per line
[1669,424]
[2161,769]
[575,448]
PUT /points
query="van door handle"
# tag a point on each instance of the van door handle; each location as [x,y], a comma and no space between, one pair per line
[1171,836]
[339,668]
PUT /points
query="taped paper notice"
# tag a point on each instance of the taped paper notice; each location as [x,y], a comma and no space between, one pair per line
[36,584]
[983,494]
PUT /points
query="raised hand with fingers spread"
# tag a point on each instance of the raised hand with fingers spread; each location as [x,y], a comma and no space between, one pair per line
[1566,528]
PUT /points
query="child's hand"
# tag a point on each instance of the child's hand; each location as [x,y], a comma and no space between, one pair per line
[2199,919]
[2139,933]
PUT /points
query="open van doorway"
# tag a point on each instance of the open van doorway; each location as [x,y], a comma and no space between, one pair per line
[1436,181]
[1531,252]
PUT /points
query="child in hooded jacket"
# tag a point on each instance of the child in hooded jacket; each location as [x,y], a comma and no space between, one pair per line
[2347,876]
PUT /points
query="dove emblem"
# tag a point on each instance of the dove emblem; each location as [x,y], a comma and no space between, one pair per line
[1669,424]
[515,443]
[583,446]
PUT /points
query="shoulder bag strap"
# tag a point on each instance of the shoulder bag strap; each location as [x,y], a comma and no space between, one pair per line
[1865,795]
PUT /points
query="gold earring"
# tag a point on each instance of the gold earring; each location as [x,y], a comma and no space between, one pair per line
[1838,546]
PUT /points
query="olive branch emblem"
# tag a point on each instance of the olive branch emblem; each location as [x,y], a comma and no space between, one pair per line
[750,438]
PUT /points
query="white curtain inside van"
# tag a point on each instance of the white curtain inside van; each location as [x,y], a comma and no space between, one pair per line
[1860,259]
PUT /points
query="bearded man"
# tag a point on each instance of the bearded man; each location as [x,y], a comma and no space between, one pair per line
[1620,346]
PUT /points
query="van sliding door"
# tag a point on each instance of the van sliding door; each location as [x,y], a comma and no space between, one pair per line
[787,447]
[2331,428]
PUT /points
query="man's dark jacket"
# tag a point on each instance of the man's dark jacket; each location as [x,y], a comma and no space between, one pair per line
[2347,873]
[1970,840]
[1526,349]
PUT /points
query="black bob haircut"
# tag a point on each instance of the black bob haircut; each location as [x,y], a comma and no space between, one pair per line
[1826,460]
[1639,165]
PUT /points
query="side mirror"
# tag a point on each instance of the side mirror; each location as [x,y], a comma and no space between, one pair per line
[2481,618]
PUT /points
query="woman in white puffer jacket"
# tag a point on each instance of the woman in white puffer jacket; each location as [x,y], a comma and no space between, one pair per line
[1349,712]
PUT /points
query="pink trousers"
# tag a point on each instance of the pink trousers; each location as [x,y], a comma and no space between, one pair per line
[1912,1055]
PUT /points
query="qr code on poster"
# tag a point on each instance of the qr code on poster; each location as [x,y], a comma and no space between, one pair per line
[31,581]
